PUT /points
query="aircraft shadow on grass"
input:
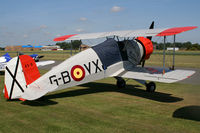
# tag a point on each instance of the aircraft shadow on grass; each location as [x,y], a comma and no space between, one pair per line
[188,112]
[94,87]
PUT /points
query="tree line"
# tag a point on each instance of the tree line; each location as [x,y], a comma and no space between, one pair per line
[183,46]
[180,45]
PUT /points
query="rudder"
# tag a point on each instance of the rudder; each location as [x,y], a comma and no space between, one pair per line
[20,72]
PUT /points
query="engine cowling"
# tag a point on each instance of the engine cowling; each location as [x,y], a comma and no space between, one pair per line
[147,47]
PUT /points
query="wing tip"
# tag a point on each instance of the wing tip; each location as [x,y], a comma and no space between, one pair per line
[63,38]
[176,30]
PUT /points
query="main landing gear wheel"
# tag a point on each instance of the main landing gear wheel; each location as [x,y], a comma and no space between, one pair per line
[150,87]
[121,83]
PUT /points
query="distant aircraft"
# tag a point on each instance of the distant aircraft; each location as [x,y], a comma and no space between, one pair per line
[36,57]
[6,58]
[3,61]
[111,58]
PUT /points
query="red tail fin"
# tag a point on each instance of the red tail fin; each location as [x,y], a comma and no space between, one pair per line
[31,72]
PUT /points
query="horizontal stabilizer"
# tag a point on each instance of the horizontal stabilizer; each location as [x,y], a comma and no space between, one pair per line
[44,63]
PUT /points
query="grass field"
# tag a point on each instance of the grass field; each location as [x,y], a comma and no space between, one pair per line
[189,61]
[100,107]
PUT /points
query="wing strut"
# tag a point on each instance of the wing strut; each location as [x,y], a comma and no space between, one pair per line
[174,53]
[71,48]
[164,55]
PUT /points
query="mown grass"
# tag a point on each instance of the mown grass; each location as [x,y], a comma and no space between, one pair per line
[189,61]
[101,107]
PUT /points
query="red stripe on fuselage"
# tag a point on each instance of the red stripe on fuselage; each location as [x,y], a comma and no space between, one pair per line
[176,30]
[62,38]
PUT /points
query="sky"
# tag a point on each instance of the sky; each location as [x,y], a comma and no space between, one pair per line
[38,22]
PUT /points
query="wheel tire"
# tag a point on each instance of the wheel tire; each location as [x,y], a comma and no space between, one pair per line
[121,83]
[151,87]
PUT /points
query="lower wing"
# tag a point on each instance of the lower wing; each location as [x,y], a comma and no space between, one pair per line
[155,74]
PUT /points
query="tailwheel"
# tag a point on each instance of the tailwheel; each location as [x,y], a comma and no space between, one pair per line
[121,83]
[150,87]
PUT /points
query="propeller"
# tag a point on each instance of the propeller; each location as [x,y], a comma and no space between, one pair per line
[149,37]
[151,27]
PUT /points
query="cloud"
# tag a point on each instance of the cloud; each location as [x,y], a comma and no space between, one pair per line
[83,19]
[116,9]
[42,27]
[25,36]
[79,30]
[38,29]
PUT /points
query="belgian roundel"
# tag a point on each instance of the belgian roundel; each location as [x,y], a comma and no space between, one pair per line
[77,72]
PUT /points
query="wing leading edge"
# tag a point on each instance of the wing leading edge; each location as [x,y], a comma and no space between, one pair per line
[128,33]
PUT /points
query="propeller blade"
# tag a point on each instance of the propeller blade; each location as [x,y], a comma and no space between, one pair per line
[151,27]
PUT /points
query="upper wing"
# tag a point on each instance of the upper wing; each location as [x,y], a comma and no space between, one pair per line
[128,33]
[155,74]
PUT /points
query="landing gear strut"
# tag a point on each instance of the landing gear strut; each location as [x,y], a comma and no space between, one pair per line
[121,83]
[150,87]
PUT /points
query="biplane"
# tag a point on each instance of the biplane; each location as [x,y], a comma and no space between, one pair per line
[112,58]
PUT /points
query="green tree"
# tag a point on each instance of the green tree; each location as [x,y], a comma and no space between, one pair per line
[1,48]
[67,45]
[76,44]
[185,45]
[64,45]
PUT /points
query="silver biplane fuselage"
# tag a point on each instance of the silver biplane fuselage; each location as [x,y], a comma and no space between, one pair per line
[92,64]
